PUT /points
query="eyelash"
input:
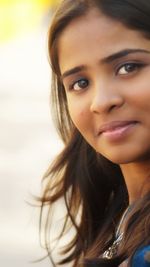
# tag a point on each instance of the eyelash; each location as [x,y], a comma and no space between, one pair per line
[135,65]
[71,87]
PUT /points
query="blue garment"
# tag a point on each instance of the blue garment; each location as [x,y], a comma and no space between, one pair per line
[141,258]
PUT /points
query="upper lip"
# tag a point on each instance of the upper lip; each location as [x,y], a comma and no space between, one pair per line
[114,125]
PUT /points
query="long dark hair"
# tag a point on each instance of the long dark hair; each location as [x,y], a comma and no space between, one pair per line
[85,179]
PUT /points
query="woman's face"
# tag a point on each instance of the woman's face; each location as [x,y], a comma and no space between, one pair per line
[105,70]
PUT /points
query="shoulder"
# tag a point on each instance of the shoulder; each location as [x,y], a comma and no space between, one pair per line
[141,258]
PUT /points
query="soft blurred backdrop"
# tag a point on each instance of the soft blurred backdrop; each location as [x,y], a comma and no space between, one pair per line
[28,141]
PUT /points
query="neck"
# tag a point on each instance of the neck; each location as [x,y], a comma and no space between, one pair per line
[137,178]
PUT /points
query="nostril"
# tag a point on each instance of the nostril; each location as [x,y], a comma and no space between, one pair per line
[113,107]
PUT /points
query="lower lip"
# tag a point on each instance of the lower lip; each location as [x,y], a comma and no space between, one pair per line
[120,132]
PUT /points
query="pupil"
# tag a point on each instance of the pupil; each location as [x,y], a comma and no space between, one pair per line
[83,83]
[129,67]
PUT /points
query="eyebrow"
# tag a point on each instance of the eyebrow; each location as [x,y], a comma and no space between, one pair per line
[109,59]
[123,53]
[72,71]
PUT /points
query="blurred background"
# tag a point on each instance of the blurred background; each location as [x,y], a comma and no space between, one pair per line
[28,141]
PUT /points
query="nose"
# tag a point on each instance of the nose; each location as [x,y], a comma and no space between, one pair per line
[105,99]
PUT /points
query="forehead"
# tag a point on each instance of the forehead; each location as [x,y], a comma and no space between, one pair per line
[95,34]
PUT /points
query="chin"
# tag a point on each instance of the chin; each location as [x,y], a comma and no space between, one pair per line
[126,158]
[119,160]
[125,154]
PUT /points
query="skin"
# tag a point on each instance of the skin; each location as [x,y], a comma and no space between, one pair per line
[102,88]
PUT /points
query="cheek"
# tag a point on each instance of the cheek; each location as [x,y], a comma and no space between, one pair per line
[78,117]
[138,94]
[79,114]
[142,98]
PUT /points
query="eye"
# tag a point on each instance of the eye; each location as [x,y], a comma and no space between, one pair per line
[79,85]
[128,68]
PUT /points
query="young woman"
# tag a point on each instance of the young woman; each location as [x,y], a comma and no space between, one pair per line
[100,58]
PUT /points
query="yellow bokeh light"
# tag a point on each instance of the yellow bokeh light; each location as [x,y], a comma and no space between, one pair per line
[18,16]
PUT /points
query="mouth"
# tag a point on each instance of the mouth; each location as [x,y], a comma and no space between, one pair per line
[116,129]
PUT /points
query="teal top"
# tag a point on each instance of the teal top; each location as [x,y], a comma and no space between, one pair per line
[141,258]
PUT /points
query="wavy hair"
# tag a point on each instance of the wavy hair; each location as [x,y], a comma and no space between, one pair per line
[87,181]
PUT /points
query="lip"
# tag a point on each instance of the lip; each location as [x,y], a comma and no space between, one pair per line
[116,129]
